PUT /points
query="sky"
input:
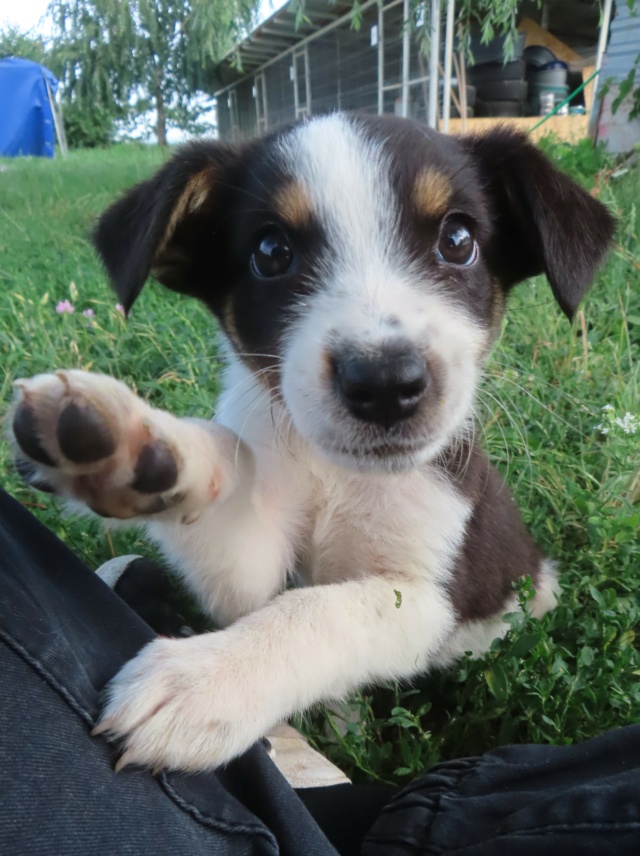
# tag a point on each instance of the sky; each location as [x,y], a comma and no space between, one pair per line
[25,14]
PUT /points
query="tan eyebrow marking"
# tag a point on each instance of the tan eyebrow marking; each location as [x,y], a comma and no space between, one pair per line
[193,197]
[293,203]
[432,192]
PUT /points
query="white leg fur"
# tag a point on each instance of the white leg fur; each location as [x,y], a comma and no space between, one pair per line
[234,558]
[547,589]
[196,703]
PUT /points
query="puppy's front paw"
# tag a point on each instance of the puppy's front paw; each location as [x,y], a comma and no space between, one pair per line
[184,704]
[87,436]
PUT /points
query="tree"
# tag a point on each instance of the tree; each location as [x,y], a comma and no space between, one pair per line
[129,56]
[493,18]
[15,42]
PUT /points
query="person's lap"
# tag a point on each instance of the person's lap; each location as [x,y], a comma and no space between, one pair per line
[64,633]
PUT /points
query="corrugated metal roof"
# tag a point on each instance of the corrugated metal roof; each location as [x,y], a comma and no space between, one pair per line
[274,36]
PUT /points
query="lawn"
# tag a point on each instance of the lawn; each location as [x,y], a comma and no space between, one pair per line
[560,416]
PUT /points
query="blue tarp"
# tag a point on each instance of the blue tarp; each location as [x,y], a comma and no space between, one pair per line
[26,121]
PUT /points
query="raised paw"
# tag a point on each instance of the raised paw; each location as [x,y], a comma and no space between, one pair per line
[88,437]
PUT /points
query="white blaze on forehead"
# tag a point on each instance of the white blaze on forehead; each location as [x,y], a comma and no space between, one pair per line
[368,275]
[346,176]
[368,292]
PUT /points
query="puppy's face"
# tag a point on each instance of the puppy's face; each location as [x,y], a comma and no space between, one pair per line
[359,266]
[384,304]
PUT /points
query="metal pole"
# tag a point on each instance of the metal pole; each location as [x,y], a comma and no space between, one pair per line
[448,58]
[307,79]
[265,103]
[544,16]
[602,44]
[256,98]
[380,60]
[406,47]
[58,122]
[294,79]
[434,61]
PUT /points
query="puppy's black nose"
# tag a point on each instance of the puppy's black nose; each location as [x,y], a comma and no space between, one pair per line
[384,388]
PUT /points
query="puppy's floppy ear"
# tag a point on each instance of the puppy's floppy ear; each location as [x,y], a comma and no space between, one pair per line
[155,228]
[544,222]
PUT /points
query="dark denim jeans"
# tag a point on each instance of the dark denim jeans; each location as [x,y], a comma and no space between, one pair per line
[64,633]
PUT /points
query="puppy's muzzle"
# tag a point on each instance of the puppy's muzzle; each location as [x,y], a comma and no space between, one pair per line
[384,387]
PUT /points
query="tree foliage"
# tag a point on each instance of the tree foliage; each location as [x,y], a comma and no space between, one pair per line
[27,45]
[491,18]
[126,57]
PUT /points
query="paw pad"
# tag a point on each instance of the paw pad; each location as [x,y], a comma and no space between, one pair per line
[25,431]
[83,435]
[156,470]
[89,437]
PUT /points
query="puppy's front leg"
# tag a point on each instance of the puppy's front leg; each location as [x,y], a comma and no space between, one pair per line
[193,704]
[90,438]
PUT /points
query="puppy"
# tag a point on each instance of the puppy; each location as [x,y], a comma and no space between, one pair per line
[358,268]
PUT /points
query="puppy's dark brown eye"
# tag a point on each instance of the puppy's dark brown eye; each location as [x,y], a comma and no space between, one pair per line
[457,246]
[272,254]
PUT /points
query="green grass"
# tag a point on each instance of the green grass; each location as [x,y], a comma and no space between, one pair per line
[571,676]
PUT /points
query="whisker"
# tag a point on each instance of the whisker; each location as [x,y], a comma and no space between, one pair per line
[249,354]
[255,403]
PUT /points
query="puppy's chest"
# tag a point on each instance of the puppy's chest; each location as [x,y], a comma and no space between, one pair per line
[392,524]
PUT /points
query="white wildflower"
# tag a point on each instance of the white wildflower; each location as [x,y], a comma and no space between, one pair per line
[627,424]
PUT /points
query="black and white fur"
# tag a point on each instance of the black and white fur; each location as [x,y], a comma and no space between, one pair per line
[343,444]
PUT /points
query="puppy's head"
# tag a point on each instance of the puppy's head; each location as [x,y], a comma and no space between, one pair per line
[359,266]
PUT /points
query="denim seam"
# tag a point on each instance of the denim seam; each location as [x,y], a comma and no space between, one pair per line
[208,820]
[205,820]
[46,675]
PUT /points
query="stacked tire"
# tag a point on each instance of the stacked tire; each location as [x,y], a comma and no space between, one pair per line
[455,90]
[501,88]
